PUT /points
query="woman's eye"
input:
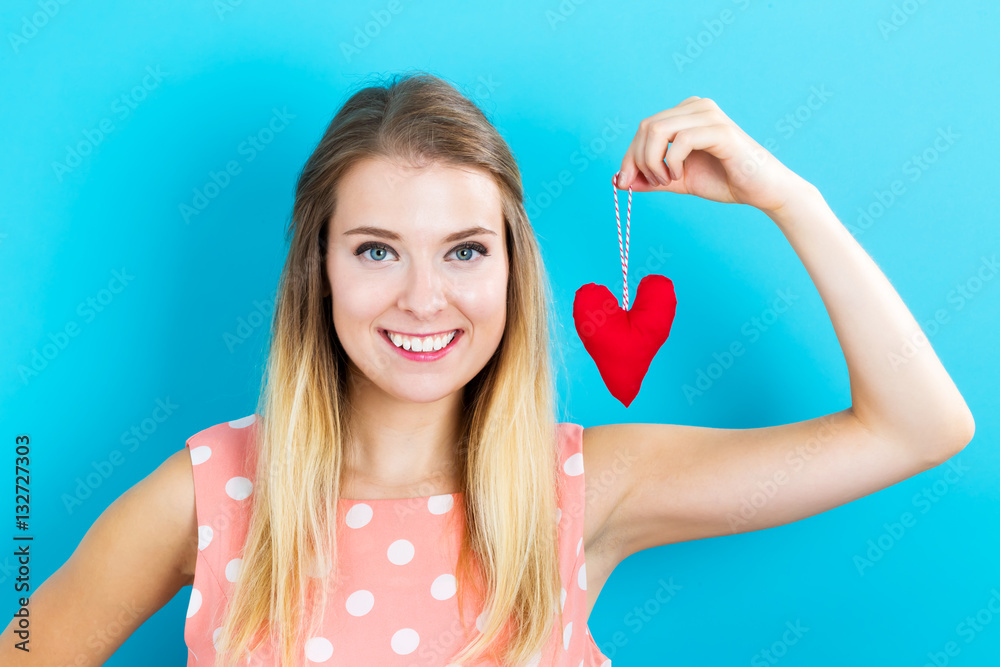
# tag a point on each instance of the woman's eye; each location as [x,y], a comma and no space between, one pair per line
[464,251]
[379,250]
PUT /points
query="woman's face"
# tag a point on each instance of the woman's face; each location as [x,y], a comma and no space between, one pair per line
[417,252]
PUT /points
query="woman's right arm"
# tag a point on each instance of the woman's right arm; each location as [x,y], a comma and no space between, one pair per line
[135,558]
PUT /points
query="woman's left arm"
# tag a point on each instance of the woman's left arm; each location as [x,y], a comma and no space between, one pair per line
[655,484]
[899,389]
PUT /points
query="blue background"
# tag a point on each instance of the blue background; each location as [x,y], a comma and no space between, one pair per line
[566,84]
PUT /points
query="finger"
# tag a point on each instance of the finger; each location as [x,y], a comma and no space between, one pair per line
[655,148]
[661,128]
[635,163]
[630,175]
[662,132]
[626,171]
[716,140]
[642,139]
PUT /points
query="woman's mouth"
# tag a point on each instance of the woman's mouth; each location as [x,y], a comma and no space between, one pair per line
[412,347]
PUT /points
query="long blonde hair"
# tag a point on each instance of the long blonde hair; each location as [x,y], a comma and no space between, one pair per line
[508,459]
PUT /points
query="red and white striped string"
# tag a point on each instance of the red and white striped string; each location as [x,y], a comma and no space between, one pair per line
[628,223]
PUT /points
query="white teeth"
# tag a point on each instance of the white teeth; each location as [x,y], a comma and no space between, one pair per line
[421,344]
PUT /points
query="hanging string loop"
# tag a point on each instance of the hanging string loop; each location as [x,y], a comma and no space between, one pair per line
[623,253]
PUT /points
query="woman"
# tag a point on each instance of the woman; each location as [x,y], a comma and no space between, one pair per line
[409,234]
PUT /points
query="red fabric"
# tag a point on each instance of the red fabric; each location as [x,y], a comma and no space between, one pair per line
[623,343]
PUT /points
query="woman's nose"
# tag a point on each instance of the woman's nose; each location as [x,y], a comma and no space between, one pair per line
[425,291]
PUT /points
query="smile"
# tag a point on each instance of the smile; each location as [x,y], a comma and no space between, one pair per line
[411,347]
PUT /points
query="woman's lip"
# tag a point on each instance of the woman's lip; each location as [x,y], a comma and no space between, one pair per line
[412,335]
[430,355]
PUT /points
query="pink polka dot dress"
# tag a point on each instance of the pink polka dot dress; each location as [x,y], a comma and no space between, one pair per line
[398,605]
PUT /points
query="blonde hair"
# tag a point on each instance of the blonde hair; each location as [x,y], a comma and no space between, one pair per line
[507,456]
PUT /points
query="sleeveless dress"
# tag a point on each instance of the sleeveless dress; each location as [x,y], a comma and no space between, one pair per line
[398,605]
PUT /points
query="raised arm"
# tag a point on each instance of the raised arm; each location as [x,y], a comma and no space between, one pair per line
[906,414]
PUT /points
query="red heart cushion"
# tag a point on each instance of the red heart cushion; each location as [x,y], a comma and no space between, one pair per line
[623,343]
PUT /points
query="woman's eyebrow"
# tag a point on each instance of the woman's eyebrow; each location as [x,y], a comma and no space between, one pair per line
[393,236]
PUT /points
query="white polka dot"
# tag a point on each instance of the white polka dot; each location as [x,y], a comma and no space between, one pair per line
[578,545]
[440,504]
[558,514]
[233,568]
[400,552]
[358,516]
[200,454]
[606,663]
[567,633]
[243,422]
[581,577]
[359,603]
[319,649]
[239,488]
[205,535]
[195,603]
[405,641]
[215,637]
[562,598]
[443,587]
[573,466]
[481,621]
[535,660]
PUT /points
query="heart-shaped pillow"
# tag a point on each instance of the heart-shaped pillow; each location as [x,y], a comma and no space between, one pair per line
[623,343]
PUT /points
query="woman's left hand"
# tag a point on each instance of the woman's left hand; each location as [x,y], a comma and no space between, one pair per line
[710,156]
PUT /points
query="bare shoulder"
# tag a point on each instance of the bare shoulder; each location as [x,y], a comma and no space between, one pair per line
[134,559]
